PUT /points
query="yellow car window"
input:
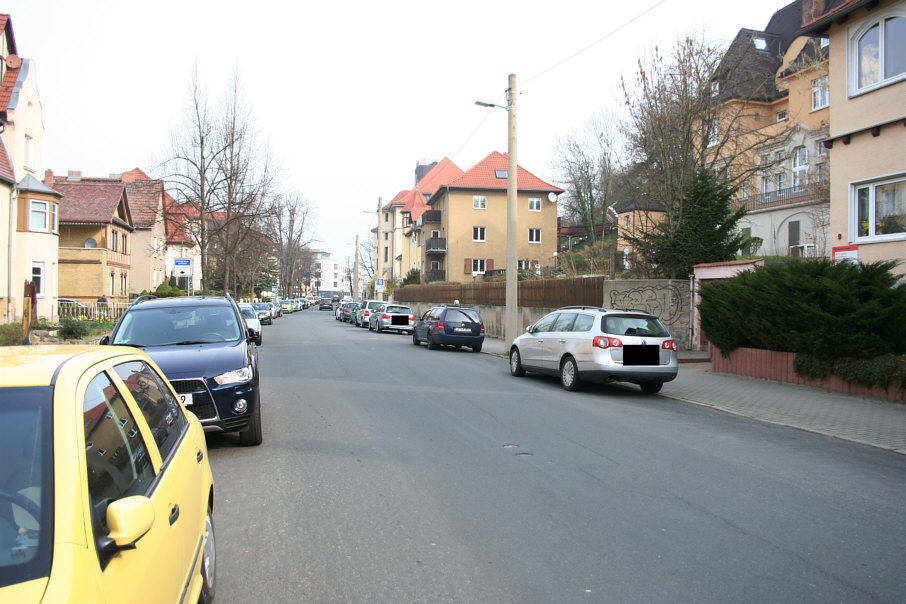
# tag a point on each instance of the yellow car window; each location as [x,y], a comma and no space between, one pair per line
[117,460]
[159,407]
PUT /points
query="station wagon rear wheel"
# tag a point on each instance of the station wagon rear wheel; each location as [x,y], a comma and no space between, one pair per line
[569,374]
[432,345]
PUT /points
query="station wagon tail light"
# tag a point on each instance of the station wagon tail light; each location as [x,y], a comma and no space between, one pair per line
[440,326]
[606,342]
[669,345]
[482,329]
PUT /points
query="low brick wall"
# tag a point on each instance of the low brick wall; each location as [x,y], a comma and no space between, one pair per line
[778,366]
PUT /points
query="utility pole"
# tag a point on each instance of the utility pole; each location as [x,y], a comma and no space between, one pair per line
[355,270]
[511,319]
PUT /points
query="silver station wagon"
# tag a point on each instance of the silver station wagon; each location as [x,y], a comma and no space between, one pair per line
[589,344]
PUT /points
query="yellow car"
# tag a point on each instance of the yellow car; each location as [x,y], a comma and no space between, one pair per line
[106,493]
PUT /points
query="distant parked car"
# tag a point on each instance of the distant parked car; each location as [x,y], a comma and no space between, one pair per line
[363,314]
[581,343]
[392,317]
[325,304]
[251,320]
[265,313]
[287,306]
[449,326]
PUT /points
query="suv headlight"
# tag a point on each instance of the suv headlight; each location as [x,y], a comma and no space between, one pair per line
[234,377]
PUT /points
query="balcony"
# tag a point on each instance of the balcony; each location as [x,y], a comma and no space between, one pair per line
[436,245]
[432,275]
[430,216]
[810,193]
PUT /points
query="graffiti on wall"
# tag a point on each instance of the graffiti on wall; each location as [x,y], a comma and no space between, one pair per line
[661,300]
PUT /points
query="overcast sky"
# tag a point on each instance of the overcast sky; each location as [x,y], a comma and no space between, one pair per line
[348,95]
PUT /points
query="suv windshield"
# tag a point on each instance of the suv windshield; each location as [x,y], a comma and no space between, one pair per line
[633,325]
[26,511]
[178,325]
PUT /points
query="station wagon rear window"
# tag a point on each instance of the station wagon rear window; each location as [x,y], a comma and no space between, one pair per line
[633,325]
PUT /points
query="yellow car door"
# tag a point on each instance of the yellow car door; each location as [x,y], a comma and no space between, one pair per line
[124,466]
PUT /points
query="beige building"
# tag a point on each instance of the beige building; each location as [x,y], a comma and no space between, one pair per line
[465,226]
[774,84]
[867,139]
[28,210]
[146,203]
[95,237]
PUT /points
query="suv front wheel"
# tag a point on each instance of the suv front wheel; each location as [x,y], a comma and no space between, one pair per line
[252,437]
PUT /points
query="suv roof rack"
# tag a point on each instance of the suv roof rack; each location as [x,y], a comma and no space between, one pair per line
[142,299]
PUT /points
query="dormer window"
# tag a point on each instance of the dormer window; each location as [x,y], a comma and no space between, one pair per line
[500,173]
[760,43]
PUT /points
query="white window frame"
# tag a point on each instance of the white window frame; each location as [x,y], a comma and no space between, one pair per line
[713,132]
[537,235]
[42,278]
[525,265]
[479,265]
[854,33]
[479,233]
[29,153]
[534,204]
[820,93]
[783,115]
[800,166]
[479,202]
[872,186]
[44,210]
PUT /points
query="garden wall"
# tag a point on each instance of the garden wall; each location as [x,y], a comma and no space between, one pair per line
[778,366]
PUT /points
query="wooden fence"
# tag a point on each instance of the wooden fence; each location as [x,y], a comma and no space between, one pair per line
[547,293]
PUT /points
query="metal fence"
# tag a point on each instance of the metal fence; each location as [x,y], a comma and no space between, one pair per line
[93,311]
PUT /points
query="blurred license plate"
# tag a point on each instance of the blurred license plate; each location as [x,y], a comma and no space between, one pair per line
[186,399]
[463,330]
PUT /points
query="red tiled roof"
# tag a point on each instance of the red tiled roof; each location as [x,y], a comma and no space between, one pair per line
[13,65]
[6,24]
[144,201]
[395,201]
[6,169]
[134,175]
[443,173]
[91,200]
[483,176]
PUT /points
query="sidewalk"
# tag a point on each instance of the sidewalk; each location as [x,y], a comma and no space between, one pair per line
[868,421]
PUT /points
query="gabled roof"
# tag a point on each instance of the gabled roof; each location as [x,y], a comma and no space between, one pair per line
[7,174]
[643,203]
[10,84]
[415,201]
[443,173]
[396,201]
[6,24]
[490,174]
[93,201]
[145,197]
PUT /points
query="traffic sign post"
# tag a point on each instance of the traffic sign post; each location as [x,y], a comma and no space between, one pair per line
[379,285]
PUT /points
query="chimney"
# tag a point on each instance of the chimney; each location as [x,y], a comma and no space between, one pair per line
[74,175]
[48,178]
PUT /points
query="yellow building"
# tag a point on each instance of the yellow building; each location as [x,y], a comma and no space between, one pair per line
[465,226]
[95,238]
[867,139]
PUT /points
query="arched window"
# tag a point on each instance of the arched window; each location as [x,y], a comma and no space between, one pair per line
[800,167]
[878,52]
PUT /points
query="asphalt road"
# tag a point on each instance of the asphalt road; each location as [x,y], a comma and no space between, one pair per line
[391,473]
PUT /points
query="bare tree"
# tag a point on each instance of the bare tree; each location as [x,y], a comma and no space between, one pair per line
[690,110]
[193,177]
[290,230]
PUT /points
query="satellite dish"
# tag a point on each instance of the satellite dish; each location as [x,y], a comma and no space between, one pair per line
[552,197]
[90,243]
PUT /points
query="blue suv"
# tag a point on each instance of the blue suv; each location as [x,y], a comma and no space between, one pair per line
[449,326]
[205,349]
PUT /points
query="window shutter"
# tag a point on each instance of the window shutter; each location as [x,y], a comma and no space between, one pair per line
[468,266]
[489,265]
